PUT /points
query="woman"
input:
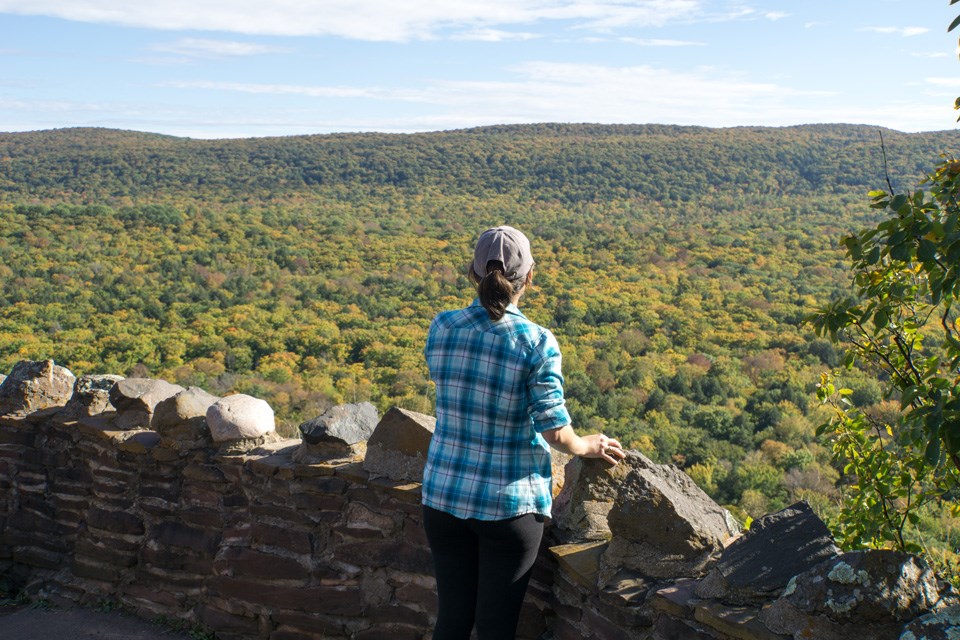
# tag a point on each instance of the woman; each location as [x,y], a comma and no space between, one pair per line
[487,483]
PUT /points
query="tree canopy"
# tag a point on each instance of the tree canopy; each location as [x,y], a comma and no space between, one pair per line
[676,265]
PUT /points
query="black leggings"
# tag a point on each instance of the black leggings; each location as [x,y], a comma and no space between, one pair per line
[482,569]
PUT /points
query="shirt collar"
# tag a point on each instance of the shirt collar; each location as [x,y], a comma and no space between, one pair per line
[511,308]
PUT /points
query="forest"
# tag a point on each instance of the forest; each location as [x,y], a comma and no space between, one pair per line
[678,267]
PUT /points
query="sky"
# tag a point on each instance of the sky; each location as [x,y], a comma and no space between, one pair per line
[250,68]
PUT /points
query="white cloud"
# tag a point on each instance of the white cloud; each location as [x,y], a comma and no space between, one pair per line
[944,82]
[494,35]
[906,32]
[217,48]
[286,89]
[377,20]
[535,92]
[546,91]
[659,42]
[776,15]
[560,92]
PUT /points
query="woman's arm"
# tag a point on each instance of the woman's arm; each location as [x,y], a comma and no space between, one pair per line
[597,445]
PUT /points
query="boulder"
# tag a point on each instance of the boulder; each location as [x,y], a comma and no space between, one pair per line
[757,566]
[589,490]
[398,447]
[239,417]
[341,432]
[91,396]
[136,399]
[663,525]
[865,594]
[943,625]
[35,385]
[184,415]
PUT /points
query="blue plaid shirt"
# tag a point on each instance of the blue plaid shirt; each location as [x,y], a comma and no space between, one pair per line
[499,387]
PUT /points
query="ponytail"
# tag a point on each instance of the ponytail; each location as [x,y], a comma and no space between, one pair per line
[494,290]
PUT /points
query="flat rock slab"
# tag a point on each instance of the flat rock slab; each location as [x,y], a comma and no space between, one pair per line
[943,625]
[757,566]
[581,561]
[873,593]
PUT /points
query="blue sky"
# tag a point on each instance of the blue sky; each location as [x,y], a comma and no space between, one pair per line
[241,68]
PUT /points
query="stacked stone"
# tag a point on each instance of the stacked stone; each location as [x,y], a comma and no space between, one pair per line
[35,486]
[188,506]
[326,551]
[194,502]
[42,490]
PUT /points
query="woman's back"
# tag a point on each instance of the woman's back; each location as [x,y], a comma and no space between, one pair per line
[498,385]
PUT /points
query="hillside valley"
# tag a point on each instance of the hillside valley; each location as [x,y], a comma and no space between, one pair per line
[676,266]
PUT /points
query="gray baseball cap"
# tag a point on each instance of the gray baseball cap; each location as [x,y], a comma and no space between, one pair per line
[509,246]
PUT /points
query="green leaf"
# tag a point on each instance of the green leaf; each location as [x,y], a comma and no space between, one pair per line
[909,395]
[853,247]
[899,202]
[900,252]
[926,251]
[953,25]
[898,238]
[932,453]
[881,319]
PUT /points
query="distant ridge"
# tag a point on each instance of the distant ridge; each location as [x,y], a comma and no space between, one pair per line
[564,161]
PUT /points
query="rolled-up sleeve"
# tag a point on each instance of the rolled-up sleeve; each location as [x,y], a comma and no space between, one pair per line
[548,408]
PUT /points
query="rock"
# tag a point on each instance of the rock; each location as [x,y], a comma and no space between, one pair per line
[943,625]
[91,396]
[558,466]
[239,417]
[589,489]
[398,447]
[341,432]
[663,525]
[866,594]
[35,385]
[139,442]
[184,415]
[757,566]
[136,399]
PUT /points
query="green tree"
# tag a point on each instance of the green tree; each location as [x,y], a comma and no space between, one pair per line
[903,325]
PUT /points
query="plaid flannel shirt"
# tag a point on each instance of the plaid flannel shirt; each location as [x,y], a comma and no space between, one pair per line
[499,386]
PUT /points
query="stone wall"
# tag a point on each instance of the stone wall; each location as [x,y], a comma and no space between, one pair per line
[176,504]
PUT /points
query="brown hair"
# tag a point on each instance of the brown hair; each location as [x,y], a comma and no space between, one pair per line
[494,290]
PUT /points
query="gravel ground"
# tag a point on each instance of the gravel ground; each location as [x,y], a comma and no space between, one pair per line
[26,623]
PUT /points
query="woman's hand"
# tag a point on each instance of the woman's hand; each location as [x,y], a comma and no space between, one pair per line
[593,446]
[600,446]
